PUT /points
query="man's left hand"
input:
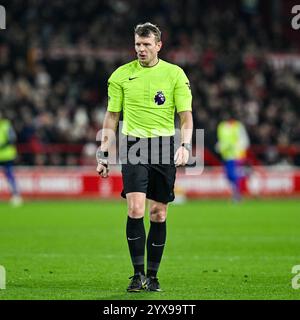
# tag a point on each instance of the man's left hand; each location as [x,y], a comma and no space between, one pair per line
[181,156]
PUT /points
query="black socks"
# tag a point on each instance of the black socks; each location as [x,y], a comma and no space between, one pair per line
[136,238]
[155,246]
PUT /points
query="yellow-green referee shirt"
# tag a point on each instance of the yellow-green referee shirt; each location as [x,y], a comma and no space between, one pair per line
[148,97]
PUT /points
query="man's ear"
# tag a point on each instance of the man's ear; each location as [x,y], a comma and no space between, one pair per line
[159,44]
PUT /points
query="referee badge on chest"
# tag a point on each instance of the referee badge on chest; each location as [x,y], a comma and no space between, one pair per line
[159,98]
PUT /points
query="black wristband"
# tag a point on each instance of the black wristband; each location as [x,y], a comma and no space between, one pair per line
[101,155]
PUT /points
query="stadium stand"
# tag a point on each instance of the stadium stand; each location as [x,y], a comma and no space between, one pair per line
[56,57]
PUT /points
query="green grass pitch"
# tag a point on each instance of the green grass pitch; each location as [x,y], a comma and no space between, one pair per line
[214,250]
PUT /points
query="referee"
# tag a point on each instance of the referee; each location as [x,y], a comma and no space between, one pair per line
[148,91]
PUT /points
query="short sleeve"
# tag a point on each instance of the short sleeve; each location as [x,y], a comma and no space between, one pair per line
[182,93]
[115,94]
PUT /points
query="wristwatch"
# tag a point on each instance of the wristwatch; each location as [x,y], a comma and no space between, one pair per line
[101,155]
[188,146]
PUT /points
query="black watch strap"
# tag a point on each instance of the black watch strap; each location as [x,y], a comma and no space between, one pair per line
[188,146]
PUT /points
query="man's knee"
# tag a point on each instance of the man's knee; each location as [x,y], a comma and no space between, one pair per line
[136,205]
[158,213]
[136,209]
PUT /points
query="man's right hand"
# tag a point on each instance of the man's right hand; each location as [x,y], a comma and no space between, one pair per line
[102,168]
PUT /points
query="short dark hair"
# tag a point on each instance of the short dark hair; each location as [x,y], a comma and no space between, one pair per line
[145,30]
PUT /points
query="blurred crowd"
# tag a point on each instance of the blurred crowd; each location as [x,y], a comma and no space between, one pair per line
[56,57]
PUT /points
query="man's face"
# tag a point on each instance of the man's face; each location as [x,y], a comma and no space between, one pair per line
[147,49]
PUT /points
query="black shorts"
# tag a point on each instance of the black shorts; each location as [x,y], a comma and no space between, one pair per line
[156,180]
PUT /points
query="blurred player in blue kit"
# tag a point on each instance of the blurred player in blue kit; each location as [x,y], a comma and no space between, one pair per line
[232,145]
[8,154]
